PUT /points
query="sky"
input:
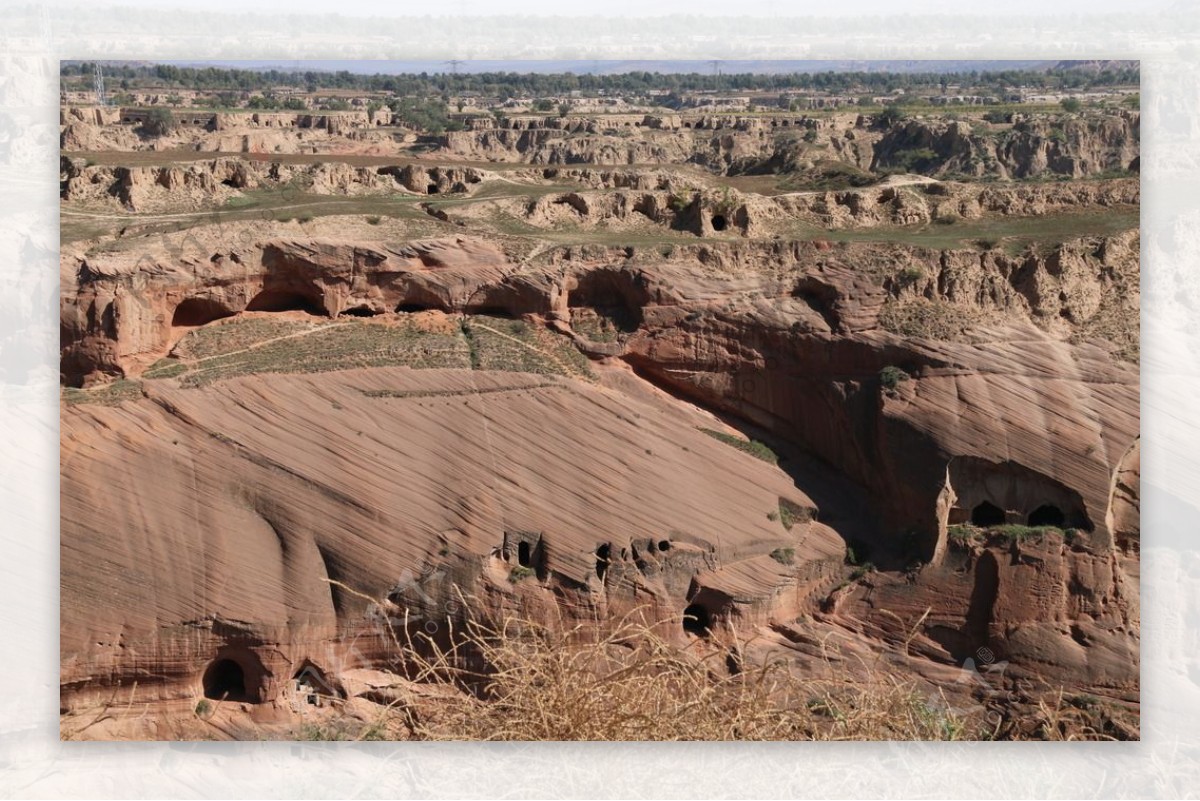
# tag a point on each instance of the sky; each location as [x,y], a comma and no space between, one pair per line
[641,8]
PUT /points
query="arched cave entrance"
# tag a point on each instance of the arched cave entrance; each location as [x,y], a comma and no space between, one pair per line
[359,311]
[607,300]
[277,300]
[432,189]
[1047,515]
[602,559]
[987,514]
[413,308]
[224,680]
[198,311]
[719,223]
[696,620]
[313,686]
[524,554]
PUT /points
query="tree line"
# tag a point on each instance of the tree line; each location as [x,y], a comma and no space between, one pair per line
[514,84]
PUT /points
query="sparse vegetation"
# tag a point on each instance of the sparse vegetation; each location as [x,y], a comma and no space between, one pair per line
[539,682]
[751,446]
[520,573]
[891,377]
[784,556]
[105,395]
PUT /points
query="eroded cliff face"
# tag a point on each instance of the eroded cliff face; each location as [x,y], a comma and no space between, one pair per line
[287,505]
[791,339]
[1025,148]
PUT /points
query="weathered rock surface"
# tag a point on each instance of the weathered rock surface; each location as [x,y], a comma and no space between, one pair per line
[266,491]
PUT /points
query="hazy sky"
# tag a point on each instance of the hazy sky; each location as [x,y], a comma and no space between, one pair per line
[622,8]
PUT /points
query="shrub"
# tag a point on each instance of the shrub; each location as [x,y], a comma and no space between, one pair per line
[519,573]
[784,556]
[890,115]
[914,159]
[810,136]
[911,274]
[1071,105]
[159,122]
[559,683]
[374,219]
[750,446]
[862,570]
[203,708]
[891,376]
[961,533]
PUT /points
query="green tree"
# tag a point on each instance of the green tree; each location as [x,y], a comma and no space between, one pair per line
[1071,105]
[158,122]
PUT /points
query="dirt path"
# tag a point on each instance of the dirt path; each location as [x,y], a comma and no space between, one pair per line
[567,369]
[256,345]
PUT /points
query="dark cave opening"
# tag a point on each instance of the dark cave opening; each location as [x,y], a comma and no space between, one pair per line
[696,620]
[602,559]
[198,311]
[1047,515]
[987,514]
[277,300]
[224,680]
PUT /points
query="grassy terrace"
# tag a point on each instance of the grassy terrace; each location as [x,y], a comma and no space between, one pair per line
[1014,234]
[254,345]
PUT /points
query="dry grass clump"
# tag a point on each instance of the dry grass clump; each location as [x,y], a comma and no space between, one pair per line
[921,317]
[522,680]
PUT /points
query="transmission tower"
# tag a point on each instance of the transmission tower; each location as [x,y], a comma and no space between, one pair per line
[454,62]
[98,81]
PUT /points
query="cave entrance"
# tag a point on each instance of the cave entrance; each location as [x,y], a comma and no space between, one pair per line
[524,554]
[602,559]
[312,686]
[432,189]
[696,620]
[1047,515]
[413,308]
[719,223]
[198,311]
[278,300]
[224,680]
[987,514]
[360,311]
[605,302]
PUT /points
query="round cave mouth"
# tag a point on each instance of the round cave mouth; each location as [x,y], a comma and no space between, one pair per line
[987,514]
[1047,515]
[224,680]
[277,300]
[696,620]
[198,311]
[719,223]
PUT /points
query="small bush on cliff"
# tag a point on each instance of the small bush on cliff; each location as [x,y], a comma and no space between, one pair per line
[519,573]
[750,446]
[784,556]
[889,116]
[891,376]
[1071,105]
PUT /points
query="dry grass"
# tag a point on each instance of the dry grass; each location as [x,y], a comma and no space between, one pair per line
[517,679]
